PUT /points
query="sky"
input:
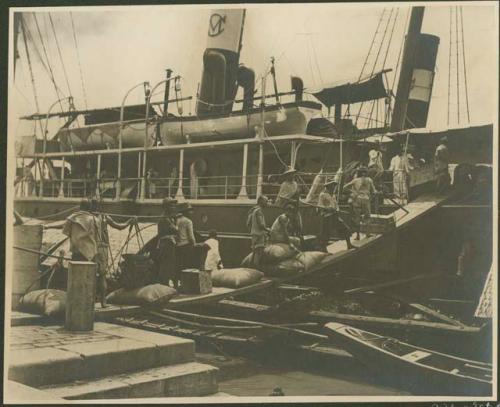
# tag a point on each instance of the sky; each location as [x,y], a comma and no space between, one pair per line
[322,43]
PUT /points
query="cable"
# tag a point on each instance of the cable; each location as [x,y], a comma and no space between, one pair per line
[316,59]
[465,66]
[24,249]
[78,59]
[60,54]
[29,63]
[400,50]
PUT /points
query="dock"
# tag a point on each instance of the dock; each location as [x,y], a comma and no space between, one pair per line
[111,361]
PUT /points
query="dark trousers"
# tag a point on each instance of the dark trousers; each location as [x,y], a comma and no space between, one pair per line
[185,258]
[166,261]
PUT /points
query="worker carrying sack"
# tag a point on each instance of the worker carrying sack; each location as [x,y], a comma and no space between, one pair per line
[49,302]
[277,252]
[236,278]
[151,295]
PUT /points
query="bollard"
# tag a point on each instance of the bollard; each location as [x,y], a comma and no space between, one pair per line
[80,296]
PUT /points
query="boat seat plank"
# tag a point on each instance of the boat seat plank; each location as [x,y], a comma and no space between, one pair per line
[415,356]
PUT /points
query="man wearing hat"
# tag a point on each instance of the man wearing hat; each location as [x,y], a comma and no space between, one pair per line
[185,238]
[103,220]
[400,168]
[328,209]
[362,189]
[441,161]
[289,189]
[166,246]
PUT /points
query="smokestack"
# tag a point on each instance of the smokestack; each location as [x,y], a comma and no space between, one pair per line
[422,81]
[220,62]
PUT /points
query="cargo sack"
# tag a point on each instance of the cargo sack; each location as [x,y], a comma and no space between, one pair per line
[236,278]
[277,252]
[49,302]
[302,262]
[136,271]
[154,294]
[287,267]
[311,259]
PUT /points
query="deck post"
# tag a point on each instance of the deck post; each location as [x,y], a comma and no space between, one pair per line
[293,147]
[261,170]
[61,188]
[119,174]
[143,176]
[243,191]
[80,296]
[180,195]
[98,186]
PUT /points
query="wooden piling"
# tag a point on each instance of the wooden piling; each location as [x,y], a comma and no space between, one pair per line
[80,297]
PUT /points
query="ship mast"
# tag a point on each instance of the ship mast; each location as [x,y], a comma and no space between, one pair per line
[405,76]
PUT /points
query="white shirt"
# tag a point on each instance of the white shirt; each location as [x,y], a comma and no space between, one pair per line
[400,164]
[375,159]
[213,255]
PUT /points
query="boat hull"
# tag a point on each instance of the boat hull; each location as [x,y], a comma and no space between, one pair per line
[290,118]
[404,373]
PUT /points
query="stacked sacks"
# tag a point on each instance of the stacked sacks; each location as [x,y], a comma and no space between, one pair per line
[281,260]
[300,263]
[48,302]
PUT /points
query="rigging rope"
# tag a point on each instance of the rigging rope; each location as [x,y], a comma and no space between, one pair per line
[26,48]
[78,59]
[400,50]
[376,58]
[60,54]
[465,68]
[48,62]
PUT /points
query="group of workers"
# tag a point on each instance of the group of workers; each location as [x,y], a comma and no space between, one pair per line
[87,230]
[287,227]
[176,243]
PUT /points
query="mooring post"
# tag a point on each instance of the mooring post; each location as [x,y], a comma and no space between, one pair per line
[80,296]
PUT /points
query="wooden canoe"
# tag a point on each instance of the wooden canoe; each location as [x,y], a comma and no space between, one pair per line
[421,370]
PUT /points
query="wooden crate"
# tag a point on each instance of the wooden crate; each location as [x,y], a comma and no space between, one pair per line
[379,224]
[194,281]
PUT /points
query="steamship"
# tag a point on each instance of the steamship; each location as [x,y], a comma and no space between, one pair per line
[228,153]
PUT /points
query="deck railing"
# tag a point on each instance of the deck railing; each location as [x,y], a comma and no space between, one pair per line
[223,187]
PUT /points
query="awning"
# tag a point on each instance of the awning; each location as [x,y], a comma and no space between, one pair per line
[370,89]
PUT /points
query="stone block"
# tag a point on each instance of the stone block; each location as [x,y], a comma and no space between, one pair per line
[37,367]
[183,380]
[170,349]
[15,392]
[114,356]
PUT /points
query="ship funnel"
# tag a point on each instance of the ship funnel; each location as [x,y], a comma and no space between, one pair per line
[297,87]
[422,81]
[220,62]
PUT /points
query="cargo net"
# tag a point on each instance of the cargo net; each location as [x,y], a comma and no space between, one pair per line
[126,243]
